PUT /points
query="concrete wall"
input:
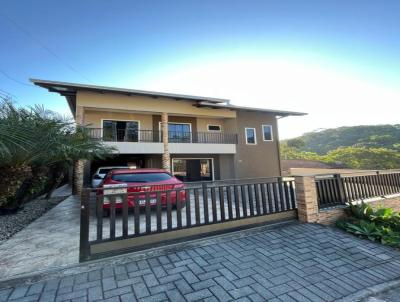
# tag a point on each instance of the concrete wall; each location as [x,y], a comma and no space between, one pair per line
[262,159]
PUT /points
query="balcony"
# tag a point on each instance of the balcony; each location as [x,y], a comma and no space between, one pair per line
[149,141]
[150,136]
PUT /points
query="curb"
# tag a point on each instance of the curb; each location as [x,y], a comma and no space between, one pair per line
[361,295]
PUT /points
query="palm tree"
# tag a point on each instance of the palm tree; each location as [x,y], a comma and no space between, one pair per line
[36,141]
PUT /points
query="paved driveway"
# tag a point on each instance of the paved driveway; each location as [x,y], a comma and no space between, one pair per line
[295,262]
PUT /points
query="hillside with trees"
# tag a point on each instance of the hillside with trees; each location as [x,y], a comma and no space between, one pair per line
[358,147]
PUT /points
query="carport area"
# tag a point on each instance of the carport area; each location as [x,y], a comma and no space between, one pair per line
[286,262]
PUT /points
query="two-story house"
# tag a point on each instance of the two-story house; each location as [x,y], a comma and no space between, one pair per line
[208,138]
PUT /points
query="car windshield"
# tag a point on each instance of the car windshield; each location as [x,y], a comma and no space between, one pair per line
[141,177]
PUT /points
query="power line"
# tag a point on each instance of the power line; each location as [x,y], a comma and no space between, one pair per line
[9,94]
[68,65]
[15,80]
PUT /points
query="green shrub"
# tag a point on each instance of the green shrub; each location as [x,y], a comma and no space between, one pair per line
[382,224]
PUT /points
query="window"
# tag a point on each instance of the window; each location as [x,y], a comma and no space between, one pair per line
[179,132]
[267,133]
[250,136]
[121,131]
[216,128]
[141,177]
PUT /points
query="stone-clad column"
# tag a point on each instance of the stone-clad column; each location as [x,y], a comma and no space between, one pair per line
[306,196]
[164,128]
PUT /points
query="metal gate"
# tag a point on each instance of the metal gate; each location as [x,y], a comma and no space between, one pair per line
[152,216]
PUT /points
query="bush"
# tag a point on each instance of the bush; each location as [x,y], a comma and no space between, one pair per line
[382,224]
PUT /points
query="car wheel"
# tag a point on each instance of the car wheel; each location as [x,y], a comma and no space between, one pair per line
[106,213]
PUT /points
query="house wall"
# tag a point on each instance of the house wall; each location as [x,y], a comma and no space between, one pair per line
[262,159]
[114,101]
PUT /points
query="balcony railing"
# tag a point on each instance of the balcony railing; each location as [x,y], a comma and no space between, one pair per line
[150,136]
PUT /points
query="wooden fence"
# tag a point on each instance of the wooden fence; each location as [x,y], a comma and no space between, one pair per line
[338,189]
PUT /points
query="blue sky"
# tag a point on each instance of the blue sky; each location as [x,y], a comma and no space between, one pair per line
[336,60]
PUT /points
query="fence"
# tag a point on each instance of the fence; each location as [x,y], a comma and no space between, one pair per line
[152,215]
[339,189]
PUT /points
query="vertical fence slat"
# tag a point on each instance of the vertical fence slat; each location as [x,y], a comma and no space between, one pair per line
[169,211]
[112,216]
[257,194]
[99,215]
[205,202]
[251,199]
[287,200]
[244,198]
[222,202]
[229,200]
[276,201]
[263,198]
[292,194]
[124,215]
[147,209]
[84,245]
[237,205]
[268,187]
[188,208]
[214,204]
[197,205]
[178,204]
[137,214]
[159,213]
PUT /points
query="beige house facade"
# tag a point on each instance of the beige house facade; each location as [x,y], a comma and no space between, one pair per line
[208,138]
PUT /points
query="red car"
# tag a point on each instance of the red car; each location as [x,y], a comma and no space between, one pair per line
[140,180]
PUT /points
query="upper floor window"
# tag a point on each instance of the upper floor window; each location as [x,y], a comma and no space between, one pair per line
[251,136]
[267,133]
[214,128]
[120,131]
[179,132]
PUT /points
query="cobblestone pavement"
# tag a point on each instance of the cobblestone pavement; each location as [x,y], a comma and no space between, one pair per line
[295,262]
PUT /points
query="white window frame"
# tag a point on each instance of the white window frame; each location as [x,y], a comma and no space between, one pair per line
[272,133]
[208,128]
[119,120]
[190,126]
[255,135]
[180,158]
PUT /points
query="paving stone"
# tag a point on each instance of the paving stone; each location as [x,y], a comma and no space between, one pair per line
[95,293]
[140,290]
[198,295]
[18,292]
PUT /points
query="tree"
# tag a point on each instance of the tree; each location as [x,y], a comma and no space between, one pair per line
[35,141]
[364,158]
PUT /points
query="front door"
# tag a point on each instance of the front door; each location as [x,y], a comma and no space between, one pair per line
[195,169]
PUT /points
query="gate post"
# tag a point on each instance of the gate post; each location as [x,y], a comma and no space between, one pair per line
[84,248]
[306,197]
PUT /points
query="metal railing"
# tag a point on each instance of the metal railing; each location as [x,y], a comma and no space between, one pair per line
[154,136]
[168,214]
[338,189]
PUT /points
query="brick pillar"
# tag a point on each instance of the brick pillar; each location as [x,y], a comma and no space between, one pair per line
[164,128]
[306,196]
[77,184]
